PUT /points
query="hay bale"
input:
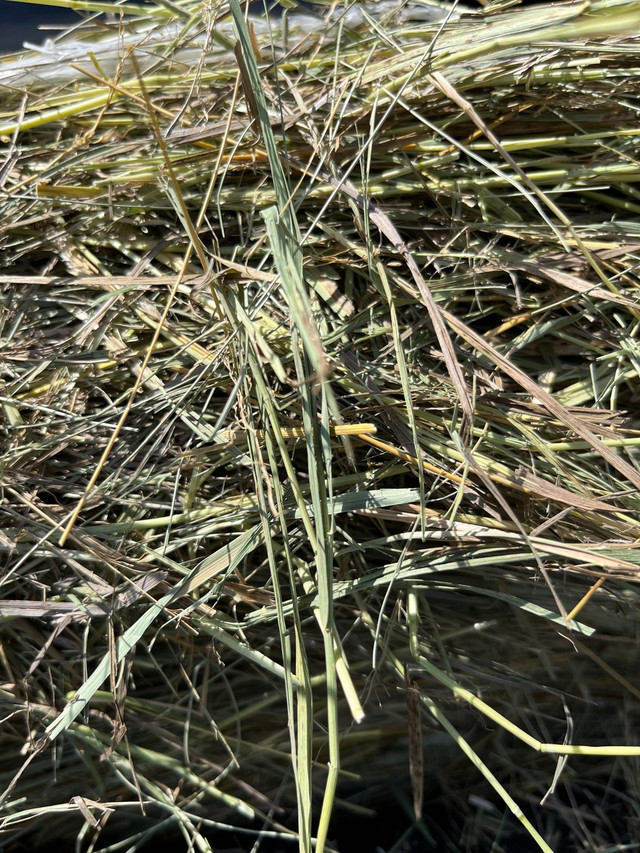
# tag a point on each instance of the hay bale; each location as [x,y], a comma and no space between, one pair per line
[320,482]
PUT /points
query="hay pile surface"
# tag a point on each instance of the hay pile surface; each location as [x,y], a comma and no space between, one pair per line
[319,347]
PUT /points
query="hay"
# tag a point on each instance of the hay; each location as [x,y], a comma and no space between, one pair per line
[320,362]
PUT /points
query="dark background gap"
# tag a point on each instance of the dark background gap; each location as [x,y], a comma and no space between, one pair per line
[20,22]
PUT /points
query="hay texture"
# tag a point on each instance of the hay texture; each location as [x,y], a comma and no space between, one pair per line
[319,350]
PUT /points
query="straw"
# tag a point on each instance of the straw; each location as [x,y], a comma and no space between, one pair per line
[320,446]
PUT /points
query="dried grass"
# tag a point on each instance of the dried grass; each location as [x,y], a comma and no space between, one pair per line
[320,364]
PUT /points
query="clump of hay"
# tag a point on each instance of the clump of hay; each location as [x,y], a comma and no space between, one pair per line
[319,463]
